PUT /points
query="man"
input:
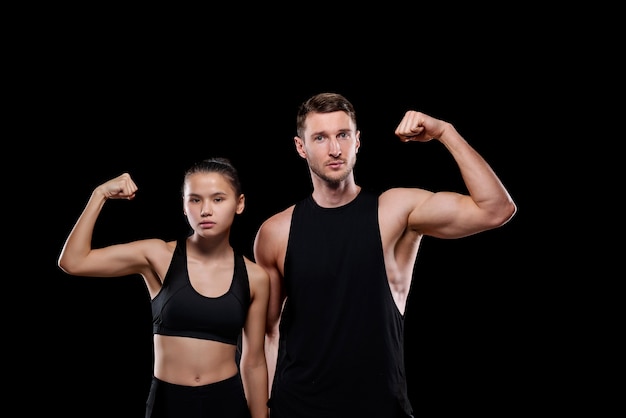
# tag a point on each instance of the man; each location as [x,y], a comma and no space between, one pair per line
[341,263]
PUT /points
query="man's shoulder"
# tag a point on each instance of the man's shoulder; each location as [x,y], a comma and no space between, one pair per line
[280,219]
[396,194]
[271,238]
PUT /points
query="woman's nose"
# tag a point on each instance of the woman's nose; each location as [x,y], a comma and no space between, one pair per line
[206,210]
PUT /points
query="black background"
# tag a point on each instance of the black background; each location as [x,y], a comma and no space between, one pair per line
[472,322]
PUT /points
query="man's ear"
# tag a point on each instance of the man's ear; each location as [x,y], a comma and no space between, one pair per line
[299,143]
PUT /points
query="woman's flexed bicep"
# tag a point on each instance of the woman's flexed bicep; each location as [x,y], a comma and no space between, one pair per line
[77,255]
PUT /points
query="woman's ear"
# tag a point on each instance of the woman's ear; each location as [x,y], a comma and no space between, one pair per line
[241,204]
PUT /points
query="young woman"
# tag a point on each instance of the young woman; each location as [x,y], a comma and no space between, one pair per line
[204,297]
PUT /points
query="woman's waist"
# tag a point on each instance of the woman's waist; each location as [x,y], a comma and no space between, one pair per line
[193,362]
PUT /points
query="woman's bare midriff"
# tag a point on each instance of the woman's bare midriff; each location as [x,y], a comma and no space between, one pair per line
[192,361]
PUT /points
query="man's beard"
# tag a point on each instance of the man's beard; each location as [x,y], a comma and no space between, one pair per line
[336,179]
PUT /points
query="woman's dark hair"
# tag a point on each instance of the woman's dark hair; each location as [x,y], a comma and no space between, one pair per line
[219,165]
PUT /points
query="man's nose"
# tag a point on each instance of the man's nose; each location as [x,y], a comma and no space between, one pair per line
[334,148]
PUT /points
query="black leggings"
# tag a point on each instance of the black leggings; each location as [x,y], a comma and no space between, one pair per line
[225,399]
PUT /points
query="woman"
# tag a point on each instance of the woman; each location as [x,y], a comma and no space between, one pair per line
[204,296]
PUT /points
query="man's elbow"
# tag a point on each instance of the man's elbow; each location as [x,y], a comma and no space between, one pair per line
[505,213]
[271,331]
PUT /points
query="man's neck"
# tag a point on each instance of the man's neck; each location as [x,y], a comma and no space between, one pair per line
[332,197]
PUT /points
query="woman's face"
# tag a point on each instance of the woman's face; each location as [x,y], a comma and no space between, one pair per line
[210,203]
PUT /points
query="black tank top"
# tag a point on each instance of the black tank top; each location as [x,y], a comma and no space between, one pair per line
[181,311]
[341,350]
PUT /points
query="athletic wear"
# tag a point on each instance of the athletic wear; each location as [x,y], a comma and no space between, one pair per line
[341,352]
[179,310]
[223,399]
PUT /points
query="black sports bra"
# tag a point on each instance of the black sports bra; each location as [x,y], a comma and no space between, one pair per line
[179,310]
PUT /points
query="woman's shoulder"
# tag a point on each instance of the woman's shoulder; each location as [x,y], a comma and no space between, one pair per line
[154,247]
[157,243]
[257,276]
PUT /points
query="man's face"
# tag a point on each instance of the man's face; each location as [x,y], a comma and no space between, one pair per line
[330,145]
